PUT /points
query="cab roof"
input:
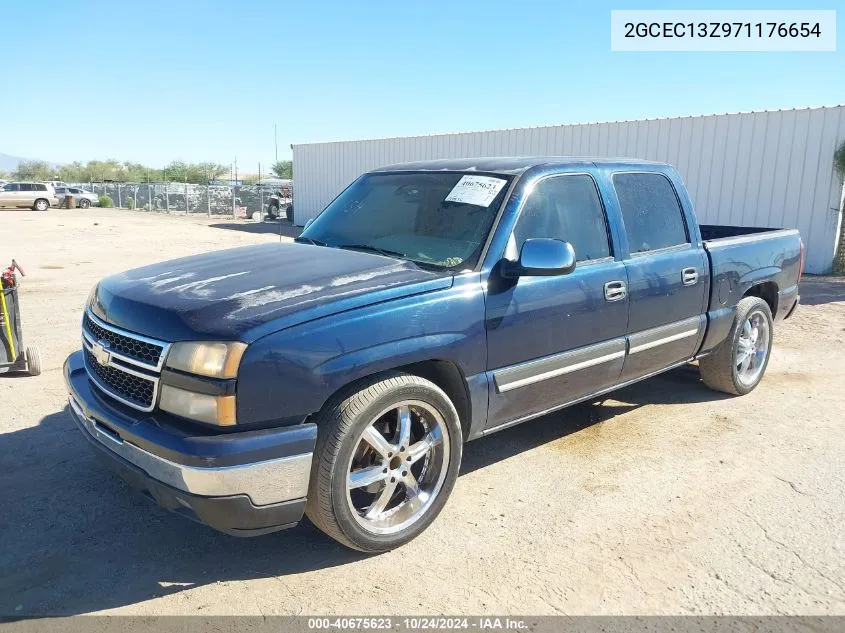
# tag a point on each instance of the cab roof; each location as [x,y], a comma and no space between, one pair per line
[512,165]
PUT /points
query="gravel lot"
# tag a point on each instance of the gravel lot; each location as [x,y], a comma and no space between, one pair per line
[668,498]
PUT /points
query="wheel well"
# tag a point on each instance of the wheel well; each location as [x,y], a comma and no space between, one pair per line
[768,292]
[446,375]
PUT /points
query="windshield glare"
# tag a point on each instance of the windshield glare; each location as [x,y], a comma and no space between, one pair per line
[435,219]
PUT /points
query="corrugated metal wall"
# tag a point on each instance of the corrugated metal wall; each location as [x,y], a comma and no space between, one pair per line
[750,169]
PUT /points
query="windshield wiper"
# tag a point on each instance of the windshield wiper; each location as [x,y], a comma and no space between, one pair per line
[309,240]
[375,249]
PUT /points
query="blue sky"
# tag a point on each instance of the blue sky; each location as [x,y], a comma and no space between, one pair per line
[156,81]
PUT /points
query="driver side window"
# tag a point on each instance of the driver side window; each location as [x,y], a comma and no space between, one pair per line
[566,208]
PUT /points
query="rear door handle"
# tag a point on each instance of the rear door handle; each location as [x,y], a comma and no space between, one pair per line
[689,276]
[615,290]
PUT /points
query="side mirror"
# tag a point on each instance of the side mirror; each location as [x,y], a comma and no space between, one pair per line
[541,257]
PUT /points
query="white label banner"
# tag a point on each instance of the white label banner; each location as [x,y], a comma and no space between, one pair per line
[477,190]
[723,30]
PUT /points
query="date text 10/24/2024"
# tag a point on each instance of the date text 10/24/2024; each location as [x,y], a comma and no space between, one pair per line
[418,623]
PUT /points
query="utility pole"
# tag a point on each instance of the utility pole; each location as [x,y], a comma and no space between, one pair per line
[261,194]
[235,190]
[276,142]
[187,207]
[166,194]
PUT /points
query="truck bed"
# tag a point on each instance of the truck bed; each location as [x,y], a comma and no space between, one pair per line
[710,232]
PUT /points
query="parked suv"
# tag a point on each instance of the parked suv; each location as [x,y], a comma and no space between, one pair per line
[33,195]
[84,199]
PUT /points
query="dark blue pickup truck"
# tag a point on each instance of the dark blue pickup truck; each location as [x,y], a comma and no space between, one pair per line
[429,304]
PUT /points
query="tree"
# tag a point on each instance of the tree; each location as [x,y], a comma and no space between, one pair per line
[839,160]
[283,169]
[197,173]
[34,170]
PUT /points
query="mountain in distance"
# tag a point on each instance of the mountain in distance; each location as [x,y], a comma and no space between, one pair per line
[10,163]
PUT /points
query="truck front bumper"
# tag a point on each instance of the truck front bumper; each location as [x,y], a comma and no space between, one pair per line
[245,484]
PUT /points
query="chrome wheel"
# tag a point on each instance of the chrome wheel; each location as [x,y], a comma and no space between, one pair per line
[752,348]
[41,205]
[398,467]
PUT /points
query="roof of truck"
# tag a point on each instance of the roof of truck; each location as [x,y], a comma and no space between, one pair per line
[509,164]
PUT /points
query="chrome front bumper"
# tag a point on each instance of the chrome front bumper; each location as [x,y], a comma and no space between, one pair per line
[266,482]
[244,483]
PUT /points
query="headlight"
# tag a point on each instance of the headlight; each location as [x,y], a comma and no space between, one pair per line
[92,295]
[219,410]
[215,360]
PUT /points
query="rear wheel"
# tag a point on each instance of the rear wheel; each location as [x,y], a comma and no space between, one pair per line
[84,203]
[33,360]
[41,205]
[738,364]
[386,460]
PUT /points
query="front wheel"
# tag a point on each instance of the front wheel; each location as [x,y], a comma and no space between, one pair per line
[84,203]
[386,460]
[738,364]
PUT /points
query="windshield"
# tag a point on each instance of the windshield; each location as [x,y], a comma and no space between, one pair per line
[434,219]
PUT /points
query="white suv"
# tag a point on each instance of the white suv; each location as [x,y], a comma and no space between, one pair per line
[33,195]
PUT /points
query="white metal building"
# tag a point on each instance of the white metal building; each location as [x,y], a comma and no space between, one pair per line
[768,169]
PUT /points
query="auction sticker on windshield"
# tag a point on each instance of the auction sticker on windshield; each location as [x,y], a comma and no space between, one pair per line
[477,190]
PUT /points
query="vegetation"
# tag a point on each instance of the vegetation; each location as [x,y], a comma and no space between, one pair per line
[106,202]
[130,203]
[839,160]
[113,170]
[283,169]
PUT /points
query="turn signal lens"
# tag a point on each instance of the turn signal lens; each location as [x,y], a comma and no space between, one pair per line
[219,410]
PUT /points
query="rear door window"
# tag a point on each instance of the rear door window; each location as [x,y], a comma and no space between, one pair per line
[651,211]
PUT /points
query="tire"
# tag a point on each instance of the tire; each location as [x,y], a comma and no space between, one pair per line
[84,203]
[289,213]
[41,205]
[273,212]
[721,370]
[343,422]
[255,216]
[33,361]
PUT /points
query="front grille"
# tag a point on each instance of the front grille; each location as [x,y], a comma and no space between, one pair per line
[136,391]
[123,365]
[144,352]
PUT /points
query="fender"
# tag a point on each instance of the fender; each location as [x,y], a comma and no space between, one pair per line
[288,375]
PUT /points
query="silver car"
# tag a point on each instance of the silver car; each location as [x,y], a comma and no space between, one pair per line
[84,199]
[33,195]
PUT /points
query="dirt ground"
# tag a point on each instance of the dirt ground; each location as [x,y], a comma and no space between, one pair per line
[667,499]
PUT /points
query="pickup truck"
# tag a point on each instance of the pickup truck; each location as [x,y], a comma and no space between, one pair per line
[430,304]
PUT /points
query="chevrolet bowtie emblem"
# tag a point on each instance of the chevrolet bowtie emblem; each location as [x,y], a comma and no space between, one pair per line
[101,352]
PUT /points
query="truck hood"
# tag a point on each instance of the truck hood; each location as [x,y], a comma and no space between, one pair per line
[244,293]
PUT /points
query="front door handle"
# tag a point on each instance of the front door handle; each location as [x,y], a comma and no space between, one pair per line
[689,276]
[615,291]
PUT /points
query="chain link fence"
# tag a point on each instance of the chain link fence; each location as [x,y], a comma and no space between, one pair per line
[175,197]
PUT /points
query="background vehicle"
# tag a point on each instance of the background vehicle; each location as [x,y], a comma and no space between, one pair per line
[33,195]
[280,204]
[441,301]
[84,199]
